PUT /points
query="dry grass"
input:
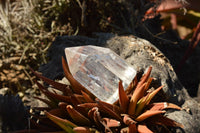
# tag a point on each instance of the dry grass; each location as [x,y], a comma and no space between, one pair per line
[24,40]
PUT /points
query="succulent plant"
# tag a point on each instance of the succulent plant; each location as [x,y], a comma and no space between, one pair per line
[78,110]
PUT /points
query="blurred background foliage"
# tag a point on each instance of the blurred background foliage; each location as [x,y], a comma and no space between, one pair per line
[28,27]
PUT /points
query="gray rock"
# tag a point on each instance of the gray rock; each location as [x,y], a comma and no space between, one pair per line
[141,54]
[189,116]
[191,125]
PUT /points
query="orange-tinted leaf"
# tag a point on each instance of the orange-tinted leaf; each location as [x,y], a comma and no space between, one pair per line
[148,114]
[127,120]
[134,99]
[88,105]
[113,107]
[145,77]
[77,117]
[162,120]
[83,130]
[77,87]
[75,102]
[123,98]
[132,85]
[62,105]
[148,83]
[58,112]
[63,123]
[143,129]
[46,93]
[152,94]
[111,122]
[87,98]
[163,105]
[80,98]
[57,97]
[94,115]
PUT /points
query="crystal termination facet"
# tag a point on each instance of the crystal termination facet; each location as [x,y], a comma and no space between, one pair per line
[99,70]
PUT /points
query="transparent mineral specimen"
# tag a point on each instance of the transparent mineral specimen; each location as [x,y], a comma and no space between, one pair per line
[99,70]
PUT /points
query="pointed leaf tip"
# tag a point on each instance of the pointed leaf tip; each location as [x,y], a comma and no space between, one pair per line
[77,87]
[63,123]
[139,91]
[77,116]
[148,114]
[123,98]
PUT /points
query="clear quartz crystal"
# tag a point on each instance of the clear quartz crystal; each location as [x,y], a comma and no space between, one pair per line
[99,70]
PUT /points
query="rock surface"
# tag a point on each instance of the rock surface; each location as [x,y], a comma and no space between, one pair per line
[140,54]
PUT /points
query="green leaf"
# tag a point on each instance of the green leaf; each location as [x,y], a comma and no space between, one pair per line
[63,123]
[134,99]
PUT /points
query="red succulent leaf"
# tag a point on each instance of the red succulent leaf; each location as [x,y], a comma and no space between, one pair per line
[132,85]
[152,94]
[148,114]
[111,122]
[163,105]
[113,107]
[162,120]
[143,129]
[83,130]
[145,77]
[62,105]
[104,106]
[123,98]
[127,120]
[77,116]
[88,105]
[58,86]
[76,86]
[94,115]
[75,102]
[148,83]
[132,128]
[139,91]
[87,98]
[53,96]
[58,112]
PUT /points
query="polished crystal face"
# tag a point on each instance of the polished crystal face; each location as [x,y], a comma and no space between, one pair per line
[99,70]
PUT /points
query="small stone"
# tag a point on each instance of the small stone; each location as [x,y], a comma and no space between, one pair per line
[99,70]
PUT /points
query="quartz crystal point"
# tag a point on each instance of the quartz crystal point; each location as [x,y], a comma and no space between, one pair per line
[99,70]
